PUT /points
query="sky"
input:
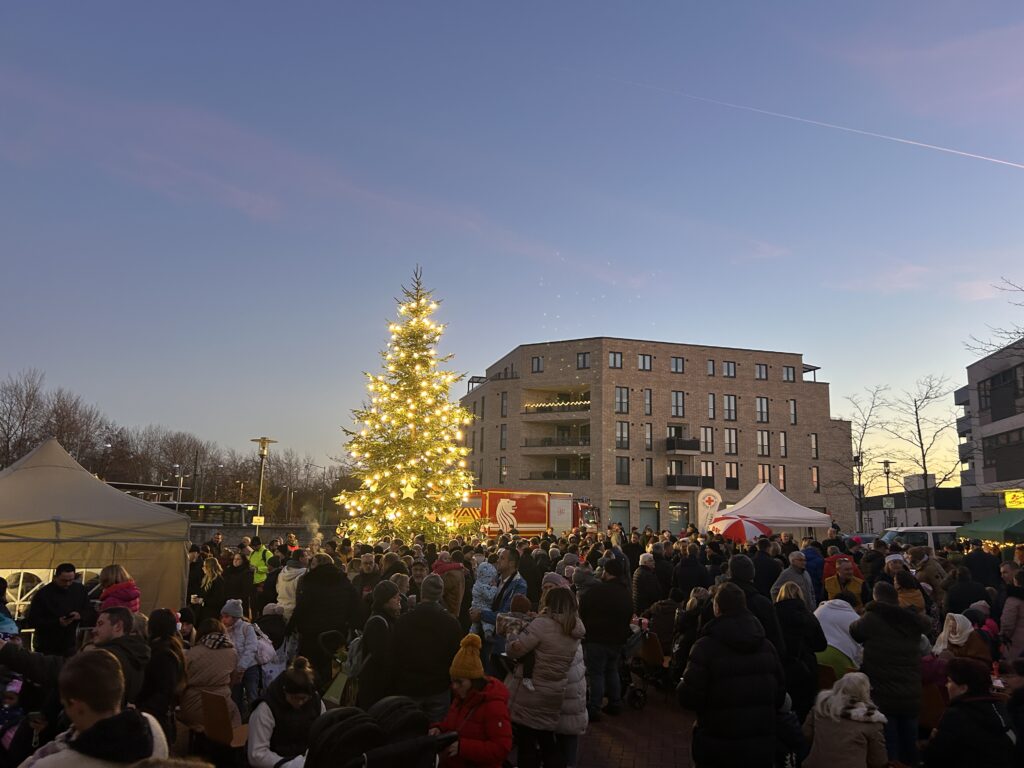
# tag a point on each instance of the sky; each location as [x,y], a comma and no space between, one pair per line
[206,209]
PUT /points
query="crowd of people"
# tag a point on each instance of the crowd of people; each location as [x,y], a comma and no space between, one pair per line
[500,651]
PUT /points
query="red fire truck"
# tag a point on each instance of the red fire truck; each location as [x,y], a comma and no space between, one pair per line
[528,512]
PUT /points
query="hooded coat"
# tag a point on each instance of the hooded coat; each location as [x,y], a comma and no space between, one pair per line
[891,637]
[210,663]
[735,683]
[326,602]
[288,588]
[558,659]
[855,740]
[484,727]
[689,573]
[124,594]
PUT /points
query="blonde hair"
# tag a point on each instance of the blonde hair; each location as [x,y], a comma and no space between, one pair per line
[560,604]
[697,594]
[211,571]
[789,590]
[113,574]
[852,688]
[401,581]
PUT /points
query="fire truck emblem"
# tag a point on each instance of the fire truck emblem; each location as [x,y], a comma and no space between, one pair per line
[506,515]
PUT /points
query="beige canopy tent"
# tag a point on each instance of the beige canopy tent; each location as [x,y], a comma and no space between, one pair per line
[53,511]
[768,505]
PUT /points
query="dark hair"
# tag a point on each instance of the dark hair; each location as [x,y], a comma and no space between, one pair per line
[163,635]
[884,592]
[119,615]
[513,555]
[64,568]
[299,677]
[847,597]
[401,718]
[905,580]
[970,672]
[729,599]
[255,542]
[209,626]
[963,574]
[94,678]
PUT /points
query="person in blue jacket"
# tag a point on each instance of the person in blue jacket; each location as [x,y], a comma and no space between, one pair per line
[510,585]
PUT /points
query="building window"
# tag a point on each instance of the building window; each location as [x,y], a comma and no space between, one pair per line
[582,360]
[783,447]
[614,359]
[729,407]
[536,364]
[648,405]
[792,411]
[764,473]
[707,471]
[781,484]
[648,437]
[729,369]
[474,410]
[648,471]
[503,437]
[483,402]
[502,470]
[504,405]
[730,441]
[622,470]
[482,433]
[622,434]
[650,512]
[764,442]
[788,373]
[618,510]
[815,482]
[675,468]
[760,371]
[711,405]
[732,470]
[707,439]
[678,365]
[643,362]
[472,441]
[761,410]
[814,445]
[622,399]
[711,367]
[678,404]
[985,395]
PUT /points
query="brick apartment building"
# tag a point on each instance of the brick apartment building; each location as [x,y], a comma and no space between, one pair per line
[640,428]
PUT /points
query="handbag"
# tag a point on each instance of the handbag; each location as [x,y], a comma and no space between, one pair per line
[342,691]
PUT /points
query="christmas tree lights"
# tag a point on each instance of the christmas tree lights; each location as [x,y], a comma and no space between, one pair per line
[406,449]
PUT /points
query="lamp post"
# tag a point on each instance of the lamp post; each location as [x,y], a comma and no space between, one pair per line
[241,490]
[859,466]
[264,443]
[323,489]
[181,479]
[887,469]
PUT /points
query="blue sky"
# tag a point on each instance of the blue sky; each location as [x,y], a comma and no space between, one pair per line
[206,209]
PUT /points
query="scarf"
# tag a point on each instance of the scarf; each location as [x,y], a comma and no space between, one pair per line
[835,617]
[215,640]
[955,631]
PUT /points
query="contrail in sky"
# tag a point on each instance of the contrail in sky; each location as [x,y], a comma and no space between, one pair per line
[808,121]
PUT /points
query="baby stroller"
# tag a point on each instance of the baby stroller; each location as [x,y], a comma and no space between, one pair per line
[643,665]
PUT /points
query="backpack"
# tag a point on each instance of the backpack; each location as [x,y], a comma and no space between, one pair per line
[356,657]
[265,651]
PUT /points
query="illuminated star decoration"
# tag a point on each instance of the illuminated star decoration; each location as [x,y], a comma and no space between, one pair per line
[409,491]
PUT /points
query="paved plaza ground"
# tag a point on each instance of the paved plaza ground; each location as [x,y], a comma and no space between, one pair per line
[657,736]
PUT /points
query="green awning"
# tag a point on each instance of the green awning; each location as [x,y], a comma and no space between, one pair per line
[1006,528]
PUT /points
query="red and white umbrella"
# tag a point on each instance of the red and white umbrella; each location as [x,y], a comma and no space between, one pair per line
[739,527]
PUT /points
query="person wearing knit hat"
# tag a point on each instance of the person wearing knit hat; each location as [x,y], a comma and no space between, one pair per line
[551,581]
[478,713]
[432,588]
[232,608]
[376,680]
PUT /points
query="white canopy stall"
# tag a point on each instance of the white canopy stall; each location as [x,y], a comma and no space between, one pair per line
[768,505]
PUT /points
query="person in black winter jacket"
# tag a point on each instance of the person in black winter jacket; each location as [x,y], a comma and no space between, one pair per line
[984,567]
[803,638]
[690,573]
[766,568]
[976,728]
[741,573]
[646,587]
[376,680]
[605,610]
[165,677]
[964,591]
[325,601]
[891,637]
[733,677]
[56,612]
[662,566]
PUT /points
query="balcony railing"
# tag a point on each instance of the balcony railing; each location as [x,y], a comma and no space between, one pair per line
[503,376]
[683,481]
[732,483]
[577,407]
[555,442]
[966,450]
[555,475]
[686,444]
[963,425]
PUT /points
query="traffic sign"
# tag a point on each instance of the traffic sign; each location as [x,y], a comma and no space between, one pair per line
[257,520]
[888,502]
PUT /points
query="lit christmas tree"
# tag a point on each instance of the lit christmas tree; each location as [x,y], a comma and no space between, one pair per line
[408,455]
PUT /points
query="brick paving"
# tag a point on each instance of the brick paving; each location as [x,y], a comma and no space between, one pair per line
[657,736]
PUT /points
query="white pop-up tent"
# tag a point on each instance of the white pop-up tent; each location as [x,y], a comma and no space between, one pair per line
[768,505]
[53,511]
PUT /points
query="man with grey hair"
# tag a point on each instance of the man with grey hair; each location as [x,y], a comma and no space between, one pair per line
[646,587]
[797,572]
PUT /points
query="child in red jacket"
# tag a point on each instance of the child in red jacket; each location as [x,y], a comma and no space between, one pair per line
[479,713]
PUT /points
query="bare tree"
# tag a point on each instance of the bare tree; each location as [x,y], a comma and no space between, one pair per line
[923,421]
[1010,338]
[78,426]
[22,414]
[866,418]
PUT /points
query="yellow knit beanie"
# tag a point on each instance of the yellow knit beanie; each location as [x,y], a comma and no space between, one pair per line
[466,663]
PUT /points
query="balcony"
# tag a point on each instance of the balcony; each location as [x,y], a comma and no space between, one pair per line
[966,450]
[963,425]
[553,474]
[556,442]
[732,483]
[683,482]
[575,410]
[682,446]
[962,396]
[967,477]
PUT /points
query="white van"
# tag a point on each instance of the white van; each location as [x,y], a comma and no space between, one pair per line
[934,536]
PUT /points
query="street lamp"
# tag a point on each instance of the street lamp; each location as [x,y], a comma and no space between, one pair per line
[289,493]
[264,449]
[887,469]
[323,489]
